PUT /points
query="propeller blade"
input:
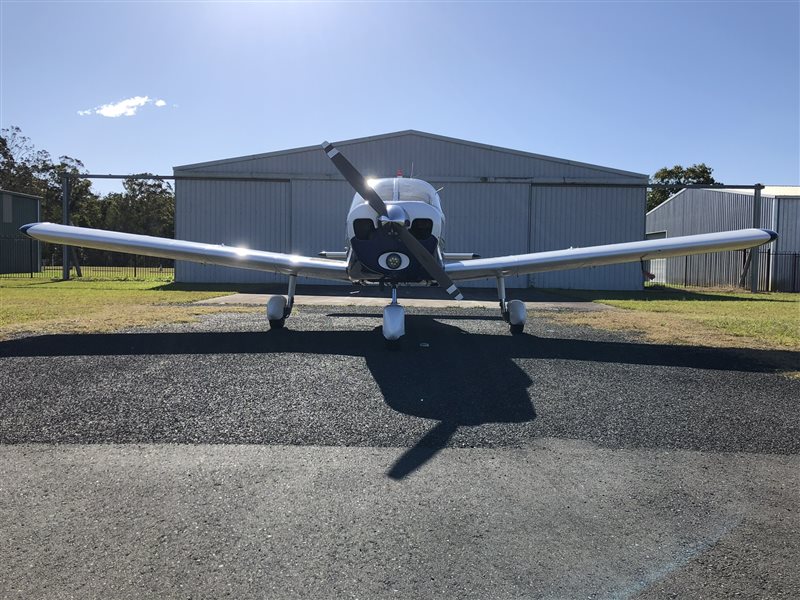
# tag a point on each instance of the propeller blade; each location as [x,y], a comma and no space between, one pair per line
[354,178]
[427,260]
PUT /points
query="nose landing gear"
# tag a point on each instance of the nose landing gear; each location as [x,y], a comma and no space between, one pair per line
[394,322]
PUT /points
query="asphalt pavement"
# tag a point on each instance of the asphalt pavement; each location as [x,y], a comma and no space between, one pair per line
[221,458]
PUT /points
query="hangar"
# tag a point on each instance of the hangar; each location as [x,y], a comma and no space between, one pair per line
[18,253]
[693,211]
[496,201]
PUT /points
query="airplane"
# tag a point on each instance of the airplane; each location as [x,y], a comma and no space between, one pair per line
[395,229]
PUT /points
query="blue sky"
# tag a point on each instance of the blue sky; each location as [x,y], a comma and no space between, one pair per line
[630,85]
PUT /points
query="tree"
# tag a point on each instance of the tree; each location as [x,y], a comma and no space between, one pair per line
[27,170]
[677,176]
[146,206]
[22,167]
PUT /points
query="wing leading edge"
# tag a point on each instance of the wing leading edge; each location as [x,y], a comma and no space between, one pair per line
[592,256]
[229,256]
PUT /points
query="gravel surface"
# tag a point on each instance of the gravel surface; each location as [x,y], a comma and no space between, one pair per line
[314,462]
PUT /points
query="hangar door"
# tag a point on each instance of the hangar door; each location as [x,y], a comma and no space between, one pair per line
[251,214]
[564,217]
[490,219]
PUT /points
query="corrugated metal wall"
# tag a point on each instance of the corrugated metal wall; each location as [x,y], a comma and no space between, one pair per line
[703,211]
[580,217]
[491,218]
[17,252]
[488,219]
[785,268]
[235,213]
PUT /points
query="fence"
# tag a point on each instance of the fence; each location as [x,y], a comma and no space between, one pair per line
[777,271]
[26,258]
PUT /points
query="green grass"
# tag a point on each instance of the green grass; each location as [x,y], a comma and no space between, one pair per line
[45,306]
[765,319]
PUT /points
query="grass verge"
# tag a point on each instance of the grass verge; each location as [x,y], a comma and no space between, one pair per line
[44,306]
[700,317]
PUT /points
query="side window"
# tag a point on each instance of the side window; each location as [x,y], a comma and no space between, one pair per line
[363,228]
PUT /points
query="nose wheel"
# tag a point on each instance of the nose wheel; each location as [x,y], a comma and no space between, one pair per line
[394,322]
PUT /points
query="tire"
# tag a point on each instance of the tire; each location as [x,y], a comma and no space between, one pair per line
[277,323]
[517,329]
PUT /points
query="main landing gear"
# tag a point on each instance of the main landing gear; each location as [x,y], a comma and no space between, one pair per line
[513,311]
[280,307]
[394,316]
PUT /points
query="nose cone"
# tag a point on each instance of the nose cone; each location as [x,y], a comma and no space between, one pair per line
[394,214]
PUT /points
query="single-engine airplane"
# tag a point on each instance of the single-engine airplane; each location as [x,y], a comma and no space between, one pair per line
[394,236]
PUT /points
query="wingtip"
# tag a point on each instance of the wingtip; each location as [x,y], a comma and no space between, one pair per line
[772,234]
[24,228]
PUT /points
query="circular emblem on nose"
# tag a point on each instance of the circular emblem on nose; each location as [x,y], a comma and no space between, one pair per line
[393,261]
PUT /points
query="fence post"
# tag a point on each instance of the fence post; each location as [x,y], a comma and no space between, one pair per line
[685,270]
[65,221]
[135,262]
[756,225]
[30,242]
[769,268]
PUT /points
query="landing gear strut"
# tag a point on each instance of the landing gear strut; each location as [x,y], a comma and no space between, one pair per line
[513,311]
[394,322]
[280,307]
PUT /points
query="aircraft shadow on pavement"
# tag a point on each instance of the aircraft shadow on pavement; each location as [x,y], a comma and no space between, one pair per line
[459,380]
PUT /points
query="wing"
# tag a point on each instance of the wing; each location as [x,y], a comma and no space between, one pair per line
[575,258]
[229,256]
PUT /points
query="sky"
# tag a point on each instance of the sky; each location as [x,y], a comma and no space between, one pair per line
[130,87]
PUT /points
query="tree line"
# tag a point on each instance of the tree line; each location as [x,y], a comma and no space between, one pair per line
[146,205]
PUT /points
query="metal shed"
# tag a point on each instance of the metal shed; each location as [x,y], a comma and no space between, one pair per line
[703,211]
[492,198]
[18,253]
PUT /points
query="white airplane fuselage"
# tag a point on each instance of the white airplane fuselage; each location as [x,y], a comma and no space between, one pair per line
[375,252]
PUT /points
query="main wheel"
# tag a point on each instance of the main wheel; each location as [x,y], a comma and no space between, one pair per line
[517,329]
[277,323]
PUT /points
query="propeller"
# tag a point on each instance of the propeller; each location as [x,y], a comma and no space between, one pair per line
[359,183]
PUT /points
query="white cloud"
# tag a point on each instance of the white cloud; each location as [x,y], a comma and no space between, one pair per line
[126,108]
[123,108]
